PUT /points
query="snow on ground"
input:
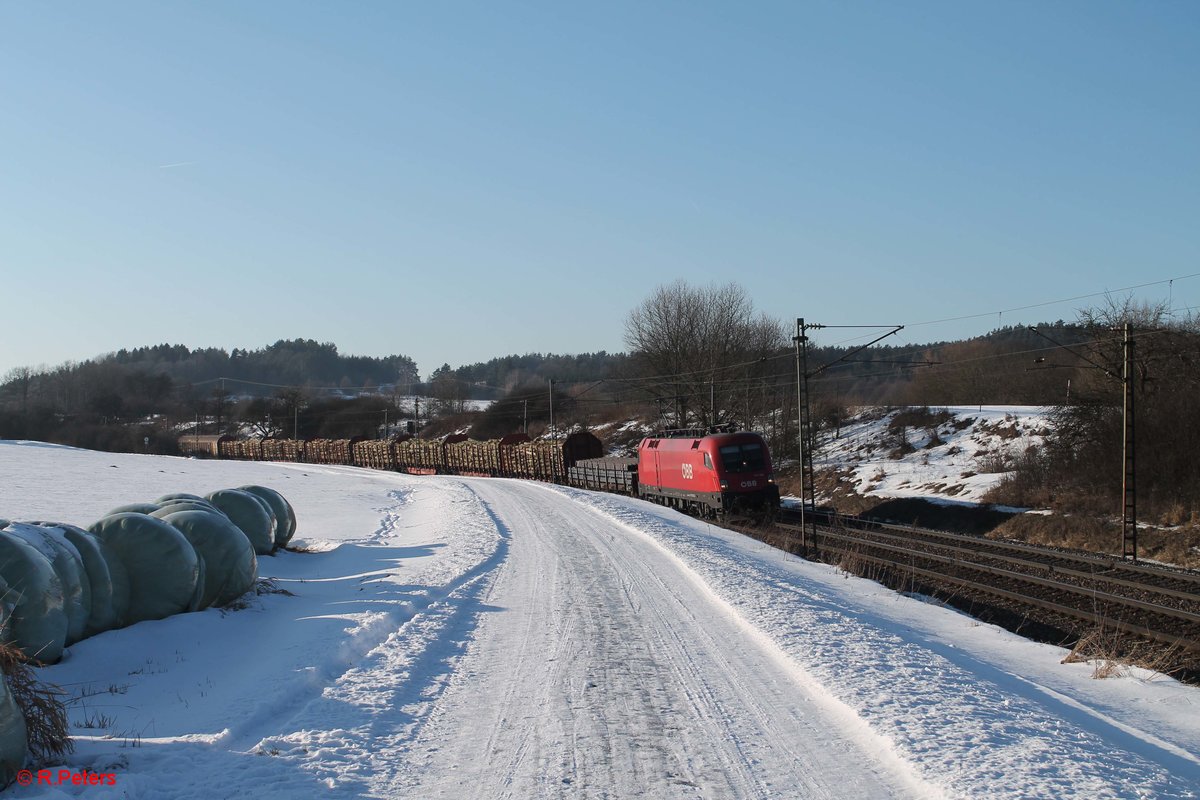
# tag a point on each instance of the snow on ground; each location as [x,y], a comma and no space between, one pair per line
[476,638]
[972,448]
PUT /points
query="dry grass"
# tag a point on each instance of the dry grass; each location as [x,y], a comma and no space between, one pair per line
[1178,546]
[42,706]
[270,586]
[261,586]
[919,417]
[1113,654]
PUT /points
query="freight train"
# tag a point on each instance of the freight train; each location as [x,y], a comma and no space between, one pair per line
[709,473]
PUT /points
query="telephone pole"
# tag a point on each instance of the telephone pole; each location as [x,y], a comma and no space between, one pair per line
[803,422]
[1128,495]
[1128,440]
[808,488]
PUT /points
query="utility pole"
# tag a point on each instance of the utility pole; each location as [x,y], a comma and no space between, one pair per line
[220,396]
[1128,463]
[808,489]
[525,422]
[803,422]
[712,396]
[1128,496]
[385,428]
[416,413]
[551,408]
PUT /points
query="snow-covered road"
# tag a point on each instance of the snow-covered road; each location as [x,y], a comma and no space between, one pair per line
[477,638]
[600,668]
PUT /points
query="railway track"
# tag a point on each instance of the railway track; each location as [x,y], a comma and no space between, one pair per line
[1062,591]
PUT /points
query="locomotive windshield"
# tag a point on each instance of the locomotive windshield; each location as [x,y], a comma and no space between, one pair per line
[743,458]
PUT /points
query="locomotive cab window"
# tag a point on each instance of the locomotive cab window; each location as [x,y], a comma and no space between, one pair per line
[742,458]
[707,461]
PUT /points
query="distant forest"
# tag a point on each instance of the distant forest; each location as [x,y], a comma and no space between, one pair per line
[697,357]
[140,399]
[300,362]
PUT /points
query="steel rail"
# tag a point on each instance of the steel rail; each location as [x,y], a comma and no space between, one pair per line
[1070,589]
[1108,563]
[1049,565]
[1049,605]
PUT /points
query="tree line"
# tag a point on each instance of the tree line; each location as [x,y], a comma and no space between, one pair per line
[697,356]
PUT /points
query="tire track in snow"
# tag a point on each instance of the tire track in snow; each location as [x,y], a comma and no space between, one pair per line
[359,727]
[343,725]
[607,675]
[958,721]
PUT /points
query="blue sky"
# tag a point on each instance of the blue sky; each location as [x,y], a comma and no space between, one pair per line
[458,181]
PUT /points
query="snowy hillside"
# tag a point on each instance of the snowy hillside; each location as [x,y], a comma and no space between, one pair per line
[948,453]
[479,638]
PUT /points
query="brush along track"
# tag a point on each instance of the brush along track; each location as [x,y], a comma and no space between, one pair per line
[1070,592]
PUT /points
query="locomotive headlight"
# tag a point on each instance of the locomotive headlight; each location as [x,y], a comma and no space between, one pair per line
[770,477]
[724,483]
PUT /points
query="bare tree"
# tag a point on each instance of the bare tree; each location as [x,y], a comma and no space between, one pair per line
[702,349]
[1080,465]
[21,379]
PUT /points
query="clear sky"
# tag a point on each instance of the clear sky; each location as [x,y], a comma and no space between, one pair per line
[457,181]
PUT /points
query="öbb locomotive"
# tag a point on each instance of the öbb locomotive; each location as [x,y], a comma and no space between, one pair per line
[707,473]
[703,472]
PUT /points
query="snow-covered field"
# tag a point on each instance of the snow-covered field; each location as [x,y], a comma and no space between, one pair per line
[962,462]
[476,638]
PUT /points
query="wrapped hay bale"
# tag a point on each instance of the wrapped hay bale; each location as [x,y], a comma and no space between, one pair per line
[38,625]
[106,606]
[67,563]
[230,565]
[161,564]
[8,601]
[285,515]
[13,742]
[120,580]
[33,717]
[179,496]
[250,515]
[134,508]
[171,506]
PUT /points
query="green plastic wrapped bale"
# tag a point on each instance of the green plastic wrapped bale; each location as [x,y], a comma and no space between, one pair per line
[171,506]
[230,564]
[270,513]
[91,551]
[162,566]
[120,582]
[8,601]
[191,501]
[13,736]
[62,555]
[248,513]
[285,515]
[136,508]
[196,601]
[166,498]
[39,621]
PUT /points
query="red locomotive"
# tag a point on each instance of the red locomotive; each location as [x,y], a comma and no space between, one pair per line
[707,472]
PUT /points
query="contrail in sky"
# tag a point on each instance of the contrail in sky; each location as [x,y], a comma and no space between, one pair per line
[177,164]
